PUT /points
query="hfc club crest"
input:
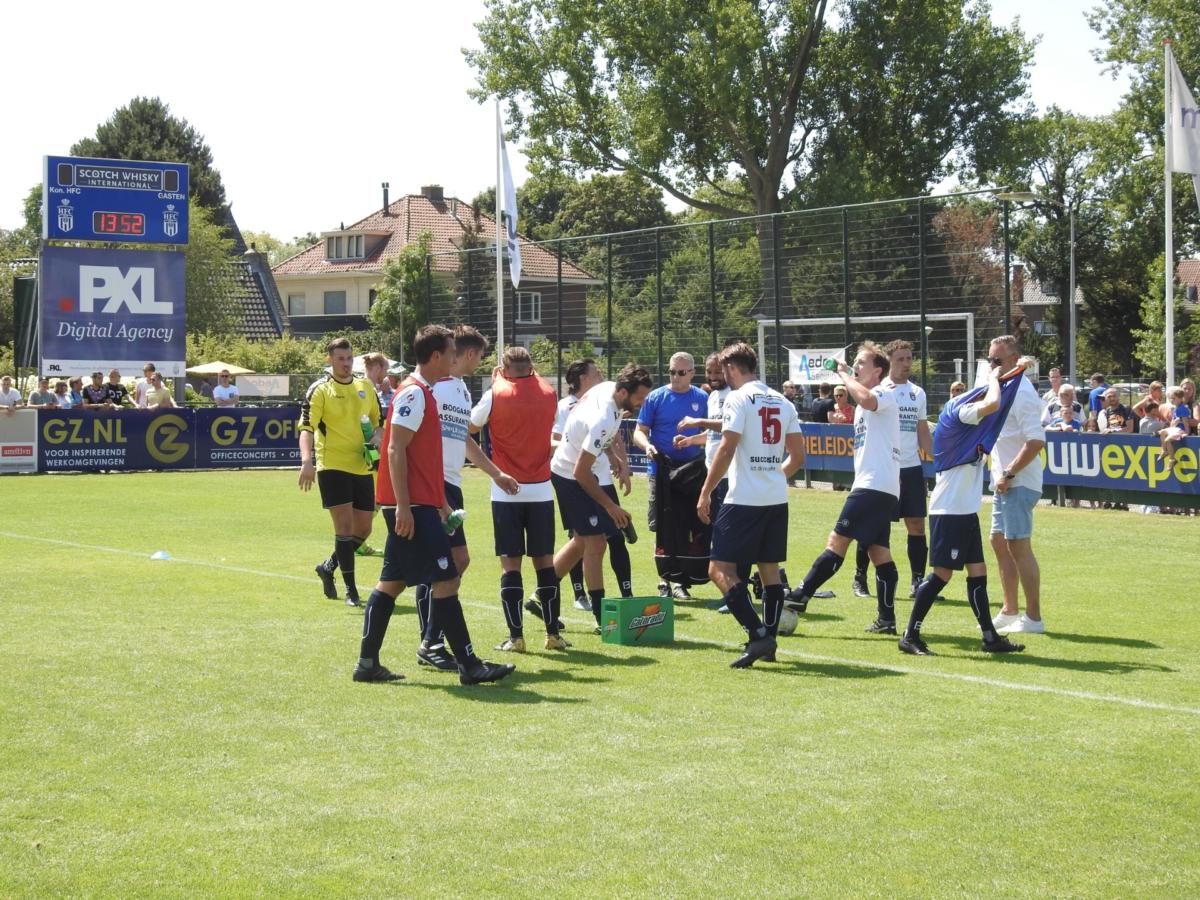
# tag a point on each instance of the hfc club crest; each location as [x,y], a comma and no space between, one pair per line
[170,221]
[66,216]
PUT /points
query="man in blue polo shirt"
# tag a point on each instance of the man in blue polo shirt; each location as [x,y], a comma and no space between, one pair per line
[657,426]
[1096,399]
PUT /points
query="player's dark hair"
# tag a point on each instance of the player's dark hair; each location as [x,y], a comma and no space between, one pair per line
[576,371]
[879,357]
[897,345]
[341,343]
[518,361]
[430,340]
[715,356]
[741,355]
[825,389]
[467,337]
[632,377]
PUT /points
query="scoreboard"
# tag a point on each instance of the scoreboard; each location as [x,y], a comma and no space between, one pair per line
[114,200]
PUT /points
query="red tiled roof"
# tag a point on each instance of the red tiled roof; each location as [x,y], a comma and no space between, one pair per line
[404,221]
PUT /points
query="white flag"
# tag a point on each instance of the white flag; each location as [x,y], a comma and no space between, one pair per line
[510,216]
[1185,129]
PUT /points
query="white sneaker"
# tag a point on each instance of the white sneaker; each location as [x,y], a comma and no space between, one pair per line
[1003,620]
[583,603]
[1024,625]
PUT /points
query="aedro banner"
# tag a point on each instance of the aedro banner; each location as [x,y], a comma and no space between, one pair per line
[102,309]
[808,366]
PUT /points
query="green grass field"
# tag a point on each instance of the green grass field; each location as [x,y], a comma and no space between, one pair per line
[189,727]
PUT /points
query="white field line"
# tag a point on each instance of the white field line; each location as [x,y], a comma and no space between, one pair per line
[813,657]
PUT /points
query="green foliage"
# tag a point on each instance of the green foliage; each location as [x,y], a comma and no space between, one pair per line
[210,309]
[284,356]
[1151,347]
[277,250]
[404,297]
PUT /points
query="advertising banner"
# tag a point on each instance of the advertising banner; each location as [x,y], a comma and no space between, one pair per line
[82,440]
[247,437]
[18,441]
[808,366]
[114,200]
[102,309]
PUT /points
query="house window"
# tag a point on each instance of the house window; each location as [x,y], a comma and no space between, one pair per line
[529,308]
[329,248]
[295,304]
[372,296]
[335,302]
[358,246]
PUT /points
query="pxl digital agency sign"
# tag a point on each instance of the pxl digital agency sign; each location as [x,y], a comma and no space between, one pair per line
[114,200]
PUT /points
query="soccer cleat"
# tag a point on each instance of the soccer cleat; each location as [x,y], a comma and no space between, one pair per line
[597,631]
[914,646]
[664,589]
[365,549]
[512,645]
[481,672]
[327,582]
[378,674]
[882,626]
[916,583]
[583,603]
[823,595]
[534,608]
[757,649]
[437,657]
[1024,625]
[1003,620]
[353,600]
[723,609]
[679,592]
[556,642]
[1002,645]
[860,588]
[630,533]
[796,600]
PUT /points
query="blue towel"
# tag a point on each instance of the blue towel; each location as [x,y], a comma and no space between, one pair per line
[955,443]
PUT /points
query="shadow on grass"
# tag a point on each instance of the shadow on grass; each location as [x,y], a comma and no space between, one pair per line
[824,670]
[1135,643]
[1032,657]
[513,690]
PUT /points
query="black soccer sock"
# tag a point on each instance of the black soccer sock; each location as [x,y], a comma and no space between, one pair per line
[926,594]
[738,601]
[861,560]
[375,622]
[424,594]
[446,616]
[886,577]
[512,592]
[577,581]
[597,600]
[547,594]
[344,546]
[331,563]
[918,552]
[823,568]
[772,607]
[618,555]
[977,596]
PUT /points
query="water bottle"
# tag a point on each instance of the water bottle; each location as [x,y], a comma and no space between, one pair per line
[370,451]
[831,364]
[454,521]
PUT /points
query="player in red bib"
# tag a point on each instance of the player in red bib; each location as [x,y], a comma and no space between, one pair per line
[412,493]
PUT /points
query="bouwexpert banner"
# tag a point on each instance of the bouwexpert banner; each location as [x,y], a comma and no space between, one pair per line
[1120,462]
[247,437]
[103,309]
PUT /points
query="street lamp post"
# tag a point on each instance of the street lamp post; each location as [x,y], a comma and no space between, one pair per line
[1030,197]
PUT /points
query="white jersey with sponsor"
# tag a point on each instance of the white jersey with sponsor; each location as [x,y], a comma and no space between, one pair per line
[565,405]
[1024,423]
[454,409]
[592,426]
[877,444]
[763,418]
[716,410]
[913,406]
[959,491]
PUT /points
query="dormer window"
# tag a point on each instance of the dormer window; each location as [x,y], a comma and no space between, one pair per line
[345,246]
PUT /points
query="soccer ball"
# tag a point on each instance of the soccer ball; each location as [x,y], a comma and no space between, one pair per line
[788,620]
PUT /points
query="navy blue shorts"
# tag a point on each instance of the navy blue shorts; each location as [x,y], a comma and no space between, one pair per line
[423,559]
[454,500]
[867,517]
[955,542]
[750,534]
[524,529]
[581,514]
[912,493]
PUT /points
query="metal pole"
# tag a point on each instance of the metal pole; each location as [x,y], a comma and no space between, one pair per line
[558,322]
[470,260]
[608,290]
[777,277]
[921,286]
[499,254]
[712,285]
[1071,303]
[845,278]
[658,296]
[1169,201]
[1007,276]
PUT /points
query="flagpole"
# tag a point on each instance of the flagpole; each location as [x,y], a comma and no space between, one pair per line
[1168,202]
[499,253]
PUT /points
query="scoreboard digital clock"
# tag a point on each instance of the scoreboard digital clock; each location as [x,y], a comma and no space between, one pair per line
[118,223]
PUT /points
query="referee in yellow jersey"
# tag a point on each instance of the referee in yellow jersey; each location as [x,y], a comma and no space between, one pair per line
[331,420]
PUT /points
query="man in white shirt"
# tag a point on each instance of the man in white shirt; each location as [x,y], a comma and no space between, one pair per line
[760,448]
[1016,468]
[588,506]
[454,412]
[954,526]
[10,397]
[226,392]
[143,385]
[915,439]
[874,499]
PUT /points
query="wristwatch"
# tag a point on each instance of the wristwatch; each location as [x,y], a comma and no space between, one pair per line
[1007,474]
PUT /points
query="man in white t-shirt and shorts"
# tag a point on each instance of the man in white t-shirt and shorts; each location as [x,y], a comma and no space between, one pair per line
[760,448]
[954,527]
[874,499]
